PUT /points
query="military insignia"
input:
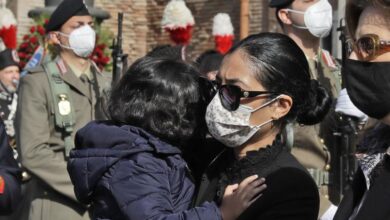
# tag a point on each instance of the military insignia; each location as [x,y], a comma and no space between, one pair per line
[61,66]
[64,105]
[15,56]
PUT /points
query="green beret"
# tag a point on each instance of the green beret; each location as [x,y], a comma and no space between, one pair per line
[279,3]
[8,58]
[64,11]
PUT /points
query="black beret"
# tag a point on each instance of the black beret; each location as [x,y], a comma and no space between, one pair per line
[8,58]
[64,11]
[279,3]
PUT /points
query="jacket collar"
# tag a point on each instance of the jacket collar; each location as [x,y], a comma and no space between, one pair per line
[69,77]
[144,138]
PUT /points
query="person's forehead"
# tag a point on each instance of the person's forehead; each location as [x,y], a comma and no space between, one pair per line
[10,68]
[237,69]
[374,21]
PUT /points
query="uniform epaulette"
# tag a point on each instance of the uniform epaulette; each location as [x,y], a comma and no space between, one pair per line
[36,69]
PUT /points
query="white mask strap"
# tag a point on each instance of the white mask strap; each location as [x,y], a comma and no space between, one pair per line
[63,34]
[264,123]
[295,11]
[267,103]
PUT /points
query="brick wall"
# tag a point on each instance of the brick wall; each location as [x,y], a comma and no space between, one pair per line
[134,23]
[20,9]
[142,23]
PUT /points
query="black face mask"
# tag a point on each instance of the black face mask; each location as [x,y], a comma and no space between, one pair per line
[368,86]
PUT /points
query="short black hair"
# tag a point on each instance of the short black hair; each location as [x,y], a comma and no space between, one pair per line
[167,51]
[281,66]
[209,60]
[161,96]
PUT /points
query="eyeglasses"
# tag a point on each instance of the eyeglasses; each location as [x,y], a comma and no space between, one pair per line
[231,95]
[370,46]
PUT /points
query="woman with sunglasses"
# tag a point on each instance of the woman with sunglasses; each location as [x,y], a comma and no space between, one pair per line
[367,79]
[265,84]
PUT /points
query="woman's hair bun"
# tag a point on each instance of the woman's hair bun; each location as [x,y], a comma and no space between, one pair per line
[317,105]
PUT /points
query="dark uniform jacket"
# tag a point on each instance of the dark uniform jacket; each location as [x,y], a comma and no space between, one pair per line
[10,175]
[291,193]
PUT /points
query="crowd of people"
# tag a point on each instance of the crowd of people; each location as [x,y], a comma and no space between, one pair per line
[244,135]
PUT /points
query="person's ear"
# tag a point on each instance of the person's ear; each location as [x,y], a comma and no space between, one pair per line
[283,15]
[54,37]
[282,107]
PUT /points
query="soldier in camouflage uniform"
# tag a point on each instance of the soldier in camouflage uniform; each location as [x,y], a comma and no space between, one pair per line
[306,22]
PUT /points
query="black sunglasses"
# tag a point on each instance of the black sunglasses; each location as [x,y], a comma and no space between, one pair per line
[231,95]
[208,89]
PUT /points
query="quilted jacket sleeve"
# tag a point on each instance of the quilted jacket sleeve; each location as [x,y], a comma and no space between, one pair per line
[143,193]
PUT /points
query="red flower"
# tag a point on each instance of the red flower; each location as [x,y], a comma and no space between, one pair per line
[22,55]
[41,30]
[32,29]
[33,40]
[26,37]
[23,45]
[46,20]
[22,64]
[101,46]
[105,60]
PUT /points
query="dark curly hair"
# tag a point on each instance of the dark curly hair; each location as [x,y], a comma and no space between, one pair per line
[281,66]
[161,96]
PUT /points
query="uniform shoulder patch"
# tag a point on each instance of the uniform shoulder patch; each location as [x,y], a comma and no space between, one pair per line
[328,60]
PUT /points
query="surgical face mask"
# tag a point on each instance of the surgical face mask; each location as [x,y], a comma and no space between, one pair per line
[232,128]
[81,41]
[318,18]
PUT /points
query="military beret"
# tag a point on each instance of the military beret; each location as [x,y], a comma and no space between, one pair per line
[279,3]
[8,58]
[65,10]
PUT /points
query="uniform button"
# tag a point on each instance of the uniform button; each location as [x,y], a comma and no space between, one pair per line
[322,141]
[327,167]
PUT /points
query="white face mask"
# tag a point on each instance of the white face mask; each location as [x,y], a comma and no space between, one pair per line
[318,18]
[81,41]
[232,128]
